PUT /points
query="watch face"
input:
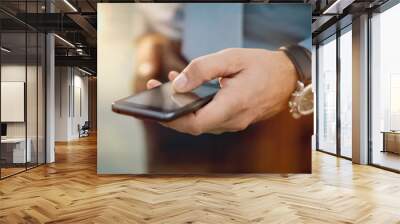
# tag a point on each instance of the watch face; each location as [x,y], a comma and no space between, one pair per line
[306,101]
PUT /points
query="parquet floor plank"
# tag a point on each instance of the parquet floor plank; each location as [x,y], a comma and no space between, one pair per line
[70,191]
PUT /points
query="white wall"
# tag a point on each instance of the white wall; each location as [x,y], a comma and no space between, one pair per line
[61,103]
[80,103]
[69,84]
[12,73]
[33,127]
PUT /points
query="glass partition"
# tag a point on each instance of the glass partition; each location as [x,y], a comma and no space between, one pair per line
[22,88]
[334,70]
[327,95]
[385,89]
[31,100]
[14,153]
[346,92]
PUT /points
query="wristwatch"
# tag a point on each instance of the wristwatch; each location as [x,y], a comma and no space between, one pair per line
[302,100]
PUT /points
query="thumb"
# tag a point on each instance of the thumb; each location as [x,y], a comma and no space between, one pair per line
[206,68]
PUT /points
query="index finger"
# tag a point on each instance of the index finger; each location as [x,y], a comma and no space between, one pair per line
[206,119]
[208,67]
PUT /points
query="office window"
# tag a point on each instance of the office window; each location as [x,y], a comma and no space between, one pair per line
[13,147]
[346,92]
[385,89]
[22,88]
[327,95]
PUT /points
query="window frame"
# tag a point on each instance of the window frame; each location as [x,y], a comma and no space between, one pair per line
[336,35]
[378,10]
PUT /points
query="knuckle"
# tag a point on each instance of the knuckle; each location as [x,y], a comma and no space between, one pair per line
[229,50]
[235,62]
[194,67]
[195,133]
[241,125]
[195,129]
[240,104]
[200,67]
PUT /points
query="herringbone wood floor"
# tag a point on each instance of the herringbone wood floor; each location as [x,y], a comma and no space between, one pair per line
[69,191]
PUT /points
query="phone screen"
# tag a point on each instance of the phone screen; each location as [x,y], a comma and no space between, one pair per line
[164,98]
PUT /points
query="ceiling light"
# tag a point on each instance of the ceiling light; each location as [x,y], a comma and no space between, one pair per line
[65,41]
[337,7]
[84,71]
[70,5]
[5,50]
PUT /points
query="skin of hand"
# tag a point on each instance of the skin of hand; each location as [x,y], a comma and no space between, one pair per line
[255,84]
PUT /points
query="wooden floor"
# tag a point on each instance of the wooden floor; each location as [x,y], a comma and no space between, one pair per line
[387,159]
[5,172]
[69,191]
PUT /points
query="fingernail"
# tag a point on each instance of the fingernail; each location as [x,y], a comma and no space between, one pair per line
[180,82]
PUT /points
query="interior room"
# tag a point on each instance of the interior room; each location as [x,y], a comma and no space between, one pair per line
[22,102]
[54,144]
[385,123]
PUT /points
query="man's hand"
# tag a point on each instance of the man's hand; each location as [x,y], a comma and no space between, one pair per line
[255,85]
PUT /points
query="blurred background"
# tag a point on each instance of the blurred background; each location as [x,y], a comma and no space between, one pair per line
[137,42]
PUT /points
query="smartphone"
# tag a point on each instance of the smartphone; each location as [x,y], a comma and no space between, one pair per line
[163,103]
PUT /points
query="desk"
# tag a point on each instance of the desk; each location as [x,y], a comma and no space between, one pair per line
[391,141]
[16,153]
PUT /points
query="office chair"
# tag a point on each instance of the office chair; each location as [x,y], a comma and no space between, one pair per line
[84,130]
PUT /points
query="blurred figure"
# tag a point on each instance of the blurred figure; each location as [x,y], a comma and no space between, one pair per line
[158,50]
